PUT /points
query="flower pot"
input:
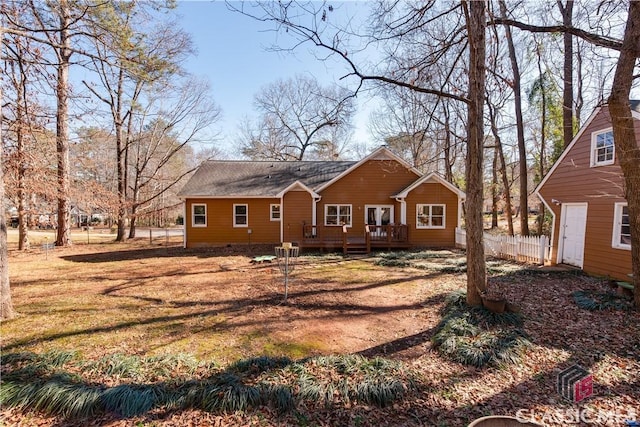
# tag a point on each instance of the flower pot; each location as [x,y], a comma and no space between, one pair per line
[495,305]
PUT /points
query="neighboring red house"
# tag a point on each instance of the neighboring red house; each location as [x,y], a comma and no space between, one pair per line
[380,201]
[584,191]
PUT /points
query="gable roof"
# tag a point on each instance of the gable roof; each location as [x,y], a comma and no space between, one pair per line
[236,178]
[635,113]
[379,154]
[429,178]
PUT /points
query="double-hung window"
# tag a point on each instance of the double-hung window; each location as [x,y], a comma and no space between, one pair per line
[621,227]
[602,148]
[430,216]
[199,215]
[240,215]
[274,212]
[337,215]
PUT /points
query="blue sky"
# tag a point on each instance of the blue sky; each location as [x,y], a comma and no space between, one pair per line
[233,55]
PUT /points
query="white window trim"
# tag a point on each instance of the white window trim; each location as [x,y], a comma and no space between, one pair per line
[271,217]
[617,227]
[391,212]
[193,215]
[594,157]
[234,215]
[338,206]
[431,227]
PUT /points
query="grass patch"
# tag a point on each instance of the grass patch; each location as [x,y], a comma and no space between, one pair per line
[432,260]
[66,386]
[477,337]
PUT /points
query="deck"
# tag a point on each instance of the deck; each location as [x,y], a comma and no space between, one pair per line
[392,236]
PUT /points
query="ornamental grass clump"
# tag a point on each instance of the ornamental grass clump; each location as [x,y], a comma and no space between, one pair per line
[63,385]
[598,301]
[477,337]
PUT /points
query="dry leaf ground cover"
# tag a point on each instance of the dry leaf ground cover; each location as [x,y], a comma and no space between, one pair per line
[191,311]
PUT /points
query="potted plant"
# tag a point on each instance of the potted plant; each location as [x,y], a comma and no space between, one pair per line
[493,299]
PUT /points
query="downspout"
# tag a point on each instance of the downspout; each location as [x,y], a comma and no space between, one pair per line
[314,209]
[282,218]
[403,210]
[184,224]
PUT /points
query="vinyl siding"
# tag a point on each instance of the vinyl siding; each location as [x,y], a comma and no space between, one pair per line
[575,181]
[296,211]
[220,229]
[372,183]
[429,194]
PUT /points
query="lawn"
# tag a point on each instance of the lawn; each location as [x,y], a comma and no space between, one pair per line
[176,316]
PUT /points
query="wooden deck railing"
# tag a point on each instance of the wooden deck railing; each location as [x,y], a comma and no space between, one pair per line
[390,233]
[382,236]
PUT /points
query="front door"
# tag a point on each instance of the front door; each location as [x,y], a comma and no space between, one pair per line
[380,215]
[573,226]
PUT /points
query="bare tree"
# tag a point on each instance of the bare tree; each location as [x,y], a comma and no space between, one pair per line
[174,116]
[461,31]
[567,95]
[6,304]
[413,126]
[298,116]
[522,150]
[129,57]
[475,14]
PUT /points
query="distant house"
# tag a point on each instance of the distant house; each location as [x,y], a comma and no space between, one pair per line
[584,191]
[380,201]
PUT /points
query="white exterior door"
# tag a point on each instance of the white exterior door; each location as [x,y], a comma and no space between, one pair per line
[573,226]
[379,215]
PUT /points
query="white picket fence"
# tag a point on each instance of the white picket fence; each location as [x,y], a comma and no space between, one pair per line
[531,249]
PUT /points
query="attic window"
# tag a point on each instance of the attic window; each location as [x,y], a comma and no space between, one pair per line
[602,148]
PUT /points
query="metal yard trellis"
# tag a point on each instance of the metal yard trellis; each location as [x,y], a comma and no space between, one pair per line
[287,256]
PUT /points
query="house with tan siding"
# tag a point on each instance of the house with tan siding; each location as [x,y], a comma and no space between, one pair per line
[584,192]
[379,201]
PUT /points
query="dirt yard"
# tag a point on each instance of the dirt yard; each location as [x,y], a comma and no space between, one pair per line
[217,305]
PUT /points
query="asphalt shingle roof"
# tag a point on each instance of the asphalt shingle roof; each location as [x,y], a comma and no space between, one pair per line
[217,178]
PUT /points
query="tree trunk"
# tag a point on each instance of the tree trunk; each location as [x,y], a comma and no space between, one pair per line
[522,149]
[626,145]
[508,209]
[23,235]
[494,188]
[134,209]
[6,304]
[62,128]
[567,92]
[579,99]
[121,158]
[543,135]
[448,164]
[476,268]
